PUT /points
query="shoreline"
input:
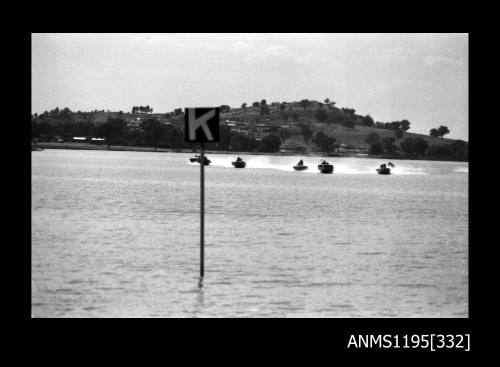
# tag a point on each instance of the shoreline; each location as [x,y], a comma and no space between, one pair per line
[125,148]
[88,146]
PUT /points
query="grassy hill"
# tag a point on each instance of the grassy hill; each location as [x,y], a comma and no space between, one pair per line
[349,129]
[349,136]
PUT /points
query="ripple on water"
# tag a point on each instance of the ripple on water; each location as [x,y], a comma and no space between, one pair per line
[75,281]
[90,308]
[112,288]
[325,284]
[416,285]
[64,291]
[335,306]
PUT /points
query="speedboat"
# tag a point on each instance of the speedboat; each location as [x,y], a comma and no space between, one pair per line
[300,168]
[325,167]
[384,171]
[390,164]
[239,164]
[198,160]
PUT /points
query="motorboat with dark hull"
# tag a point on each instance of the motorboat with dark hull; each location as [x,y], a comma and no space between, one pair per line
[197,159]
[300,168]
[239,164]
[325,167]
[384,171]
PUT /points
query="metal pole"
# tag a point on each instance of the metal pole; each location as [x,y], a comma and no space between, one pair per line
[202,213]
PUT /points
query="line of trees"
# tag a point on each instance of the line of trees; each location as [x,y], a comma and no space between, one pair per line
[347,117]
[65,124]
[264,110]
[46,130]
[306,133]
[440,132]
[381,146]
[458,150]
[417,148]
[325,143]
[241,142]
[56,113]
[152,133]
[403,125]
[143,109]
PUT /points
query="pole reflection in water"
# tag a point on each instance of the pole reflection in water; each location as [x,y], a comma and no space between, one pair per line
[199,305]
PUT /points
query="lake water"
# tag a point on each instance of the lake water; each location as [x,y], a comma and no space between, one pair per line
[116,234]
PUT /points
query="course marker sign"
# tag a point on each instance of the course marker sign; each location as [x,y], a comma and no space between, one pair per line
[201,125]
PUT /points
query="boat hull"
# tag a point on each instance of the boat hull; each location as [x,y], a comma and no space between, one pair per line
[239,164]
[325,168]
[384,171]
[300,168]
[198,160]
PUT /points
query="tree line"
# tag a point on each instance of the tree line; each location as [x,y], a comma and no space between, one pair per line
[417,148]
[143,109]
[440,132]
[347,117]
[151,133]
[327,112]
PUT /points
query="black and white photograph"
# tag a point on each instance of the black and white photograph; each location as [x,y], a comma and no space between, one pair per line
[250,175]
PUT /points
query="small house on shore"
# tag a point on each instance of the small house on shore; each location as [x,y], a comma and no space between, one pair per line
[87,139]
[97,140]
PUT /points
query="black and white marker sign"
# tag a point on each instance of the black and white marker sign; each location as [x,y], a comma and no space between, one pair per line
[201,125]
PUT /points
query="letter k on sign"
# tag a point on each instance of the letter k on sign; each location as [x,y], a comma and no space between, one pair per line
[202,124]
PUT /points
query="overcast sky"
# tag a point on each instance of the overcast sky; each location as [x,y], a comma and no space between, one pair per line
[419,77]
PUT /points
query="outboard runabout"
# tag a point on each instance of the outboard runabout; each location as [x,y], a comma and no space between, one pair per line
[325,167]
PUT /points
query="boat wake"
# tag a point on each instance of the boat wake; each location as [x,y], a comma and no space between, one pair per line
[267,163]
[254,163]
[287,163]
[407,170]
[353,170]
[221,162]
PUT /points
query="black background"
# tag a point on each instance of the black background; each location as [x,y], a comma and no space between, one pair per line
[306,341]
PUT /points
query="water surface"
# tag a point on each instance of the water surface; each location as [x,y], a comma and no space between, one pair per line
[117,234]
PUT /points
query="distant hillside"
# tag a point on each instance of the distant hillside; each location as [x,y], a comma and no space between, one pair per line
[334,127]
[288,120]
